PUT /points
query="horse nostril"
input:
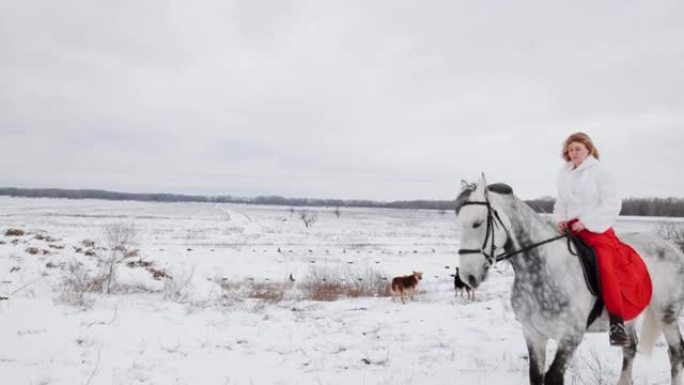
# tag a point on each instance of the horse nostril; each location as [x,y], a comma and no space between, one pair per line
[471,281]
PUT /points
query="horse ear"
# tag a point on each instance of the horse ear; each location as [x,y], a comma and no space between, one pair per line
[483,182]
[481,190]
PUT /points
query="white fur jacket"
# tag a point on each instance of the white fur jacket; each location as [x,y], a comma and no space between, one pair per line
[589,194]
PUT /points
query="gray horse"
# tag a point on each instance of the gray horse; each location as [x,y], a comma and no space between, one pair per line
[550,297]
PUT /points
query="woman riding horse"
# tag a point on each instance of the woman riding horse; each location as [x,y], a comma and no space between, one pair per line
[588,206]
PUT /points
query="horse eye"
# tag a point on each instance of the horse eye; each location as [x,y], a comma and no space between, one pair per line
[477,224]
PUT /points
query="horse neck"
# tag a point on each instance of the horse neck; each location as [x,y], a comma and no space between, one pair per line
[548,280]
[527,228]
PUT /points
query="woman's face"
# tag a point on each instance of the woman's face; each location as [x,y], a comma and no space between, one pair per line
[577,152]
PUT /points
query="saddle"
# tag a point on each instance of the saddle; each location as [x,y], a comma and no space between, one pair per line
[587,258]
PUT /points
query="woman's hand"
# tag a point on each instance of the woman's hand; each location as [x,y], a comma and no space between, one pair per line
[563,226]
[577,227]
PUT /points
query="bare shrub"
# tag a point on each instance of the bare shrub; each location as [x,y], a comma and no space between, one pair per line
[269,292]
[120,238]
[322,284]
[672,232]
[337,211]
[325,284]
[369,283]
[319,284]
[134,288]
[76,282]
[231,292]
[308,217]
[179,289]
[323,290]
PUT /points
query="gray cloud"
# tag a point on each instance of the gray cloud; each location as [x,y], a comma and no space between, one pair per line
[379,100]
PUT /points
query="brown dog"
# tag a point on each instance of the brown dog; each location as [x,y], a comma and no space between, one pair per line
[407,282]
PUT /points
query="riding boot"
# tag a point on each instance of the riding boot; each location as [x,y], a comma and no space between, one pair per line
[617,335]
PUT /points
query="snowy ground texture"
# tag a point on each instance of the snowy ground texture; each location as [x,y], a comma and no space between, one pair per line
[207,299]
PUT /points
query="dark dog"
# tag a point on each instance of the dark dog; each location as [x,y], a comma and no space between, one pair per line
[407,282]
[462,288]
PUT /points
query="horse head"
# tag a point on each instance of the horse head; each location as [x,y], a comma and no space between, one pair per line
[483,230]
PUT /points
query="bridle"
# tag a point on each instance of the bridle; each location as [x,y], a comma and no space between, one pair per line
[493,219]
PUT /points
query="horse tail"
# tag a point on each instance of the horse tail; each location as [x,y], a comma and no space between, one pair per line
[650,331]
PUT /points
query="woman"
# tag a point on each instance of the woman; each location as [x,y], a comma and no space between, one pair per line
[588,205]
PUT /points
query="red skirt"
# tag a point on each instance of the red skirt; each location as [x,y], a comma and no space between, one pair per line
[625,283]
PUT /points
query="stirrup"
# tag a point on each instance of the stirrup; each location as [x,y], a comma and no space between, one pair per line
[618,336]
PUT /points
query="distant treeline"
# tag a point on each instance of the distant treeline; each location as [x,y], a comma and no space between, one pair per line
[652,207]
[670,207]
[260,200]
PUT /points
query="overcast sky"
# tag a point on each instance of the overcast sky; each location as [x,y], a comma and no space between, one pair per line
[345,99]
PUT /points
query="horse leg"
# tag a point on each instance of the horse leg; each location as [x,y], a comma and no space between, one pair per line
[676,350]
[536,349]
[566,348]
[628,354]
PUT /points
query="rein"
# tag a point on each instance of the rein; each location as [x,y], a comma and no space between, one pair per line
[504,256]
[492,219]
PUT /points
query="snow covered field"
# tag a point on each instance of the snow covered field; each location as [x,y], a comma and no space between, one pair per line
[200,327]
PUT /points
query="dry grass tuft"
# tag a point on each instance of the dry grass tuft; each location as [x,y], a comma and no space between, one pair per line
[270,292]
[14,232]
[32,250]
[44,237]
[325,284]
[324,291]
[77,282]
[179,289]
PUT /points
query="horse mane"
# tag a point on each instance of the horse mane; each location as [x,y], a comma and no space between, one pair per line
[500,188]
[468,188]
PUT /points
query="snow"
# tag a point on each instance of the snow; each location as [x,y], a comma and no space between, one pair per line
[199,327]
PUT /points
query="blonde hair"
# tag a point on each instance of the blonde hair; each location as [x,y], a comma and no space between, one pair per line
[579,137]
